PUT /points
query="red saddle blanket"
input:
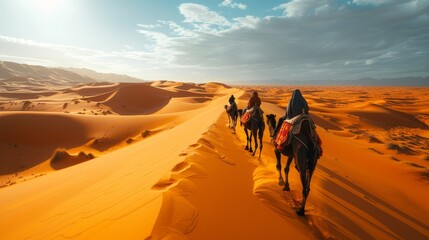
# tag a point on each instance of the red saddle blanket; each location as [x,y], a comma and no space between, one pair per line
[246,116]
[283,134]
[289,128]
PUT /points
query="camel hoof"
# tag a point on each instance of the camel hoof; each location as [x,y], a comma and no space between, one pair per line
[300,212]
[281,182]
[286,188]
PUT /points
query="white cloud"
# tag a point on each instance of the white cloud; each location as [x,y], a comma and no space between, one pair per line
[368,2]
[309,44]
[149,26]
[58,47]
[232,4]
[179,30]
[54,55]
[160,38]
[200,14]
[246,22]
[381,57]
[300,8]
[28,60]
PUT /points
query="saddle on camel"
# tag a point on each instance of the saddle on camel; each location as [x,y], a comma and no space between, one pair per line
[292,127]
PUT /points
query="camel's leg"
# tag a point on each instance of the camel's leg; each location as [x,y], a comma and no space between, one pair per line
[229,120]
[305,193]
[279,166]
[289,160]
[247,139]
[250,141]
[234,123]
[255,138]
[261,135]
[304,174]
[306,189]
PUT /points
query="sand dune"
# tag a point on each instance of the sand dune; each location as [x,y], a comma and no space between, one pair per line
[33,129]
[130,100]
[136,202]
[204,191]
[155,160]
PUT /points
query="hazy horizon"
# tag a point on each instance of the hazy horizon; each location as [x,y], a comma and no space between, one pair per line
[225,41]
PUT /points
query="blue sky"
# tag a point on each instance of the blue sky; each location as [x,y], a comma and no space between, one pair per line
[225,41]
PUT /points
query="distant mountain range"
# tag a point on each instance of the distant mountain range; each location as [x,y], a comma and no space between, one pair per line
[104,77]
[403,81]
[13,72]
[24,73]
[73,76]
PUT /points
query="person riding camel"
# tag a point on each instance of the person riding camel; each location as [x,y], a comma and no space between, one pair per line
[253,104]
[297,104]
[254,101]
[232,103]
[231,99]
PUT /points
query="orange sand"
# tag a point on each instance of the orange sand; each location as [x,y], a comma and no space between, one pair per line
[156,160]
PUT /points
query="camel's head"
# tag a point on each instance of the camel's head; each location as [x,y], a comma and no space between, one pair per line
[270,116]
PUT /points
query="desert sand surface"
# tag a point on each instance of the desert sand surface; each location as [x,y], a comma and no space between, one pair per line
[156,160]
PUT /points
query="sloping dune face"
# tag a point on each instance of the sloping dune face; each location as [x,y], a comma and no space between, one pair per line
[38,124]
[138,99]
[97,150]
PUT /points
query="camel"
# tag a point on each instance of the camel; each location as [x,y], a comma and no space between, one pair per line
[305,152]
[232,113]
[256,126]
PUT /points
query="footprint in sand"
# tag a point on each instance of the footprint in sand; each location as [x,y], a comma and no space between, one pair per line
[206,143]
[226,160]
[290,199]
[180,167]
[194,146]
[164,184]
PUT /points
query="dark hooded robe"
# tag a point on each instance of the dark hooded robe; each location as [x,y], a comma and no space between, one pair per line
[294,108]
[232,104]
[231,99]
[296,104]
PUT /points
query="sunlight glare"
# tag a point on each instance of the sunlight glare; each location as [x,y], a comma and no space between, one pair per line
[48,6]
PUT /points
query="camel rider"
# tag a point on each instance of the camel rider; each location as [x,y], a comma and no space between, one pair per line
[253,104]
[297,105]
[232,103]
[231,99]
[254,101]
